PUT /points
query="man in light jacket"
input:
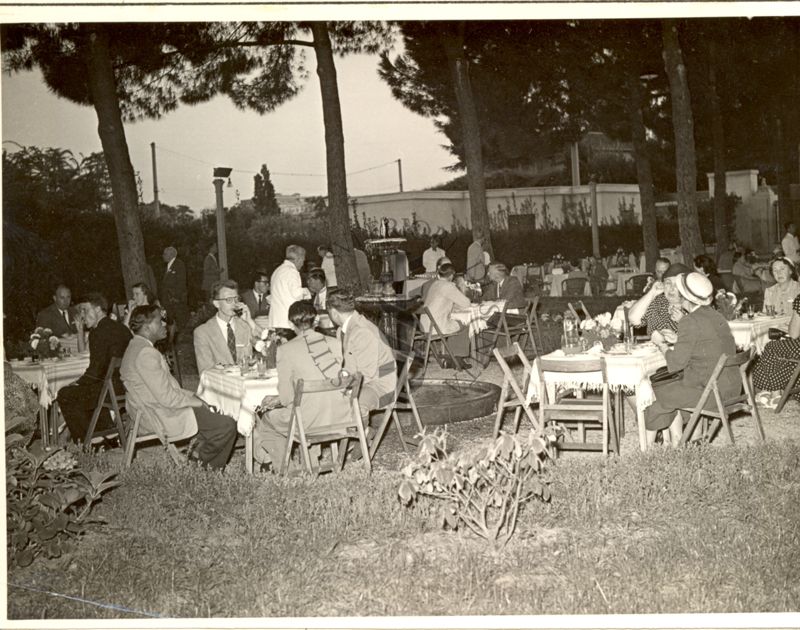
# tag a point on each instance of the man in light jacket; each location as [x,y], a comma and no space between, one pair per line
[287,288]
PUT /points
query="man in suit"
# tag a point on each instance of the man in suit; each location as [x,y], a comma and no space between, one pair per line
[703,335]
[108,340]
[319,291]
[211,270]
[172,291]
[226,337]
[58,317]
[149,383]
[503,286]
[257,299]
[364,350]
[310,356]
[328,265]
[287,288]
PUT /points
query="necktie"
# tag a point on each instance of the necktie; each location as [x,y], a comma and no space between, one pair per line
[66,317]
[344,353]
[260,302]
[232,342]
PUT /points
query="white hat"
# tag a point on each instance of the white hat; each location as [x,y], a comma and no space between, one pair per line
[695,287]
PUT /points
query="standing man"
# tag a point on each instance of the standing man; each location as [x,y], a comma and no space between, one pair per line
[225,338]
[150,384]
[172,292]
[108,340]
[211,270]
[58,317]
[257,299]
[287,288]
[790,244]
[316,284]
[327,265]
[364,350]
[476,263]
[431,256]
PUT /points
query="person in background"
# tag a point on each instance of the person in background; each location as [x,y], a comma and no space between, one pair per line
[327,264]
[146,376]
[790,244]
[633,260]
[108,340]
[226,337]
[705,265]
[310,356]
[781,295]
[661,307]
[59,316]
[575,270]
[598,276]
[431,256]
[503,286]
[771,373]
[662,264]
[743,264]
[703,336]
[287,288]
[173,291]
[476,264]
[257,299]
[142,296]
[316,284]
[442,298]
[211,270]
[725,259]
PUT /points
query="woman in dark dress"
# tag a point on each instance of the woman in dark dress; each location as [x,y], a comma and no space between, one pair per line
[770,373]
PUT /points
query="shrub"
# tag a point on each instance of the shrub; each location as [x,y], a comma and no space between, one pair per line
[483,488]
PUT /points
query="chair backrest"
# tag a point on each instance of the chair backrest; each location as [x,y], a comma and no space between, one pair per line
[153,424]
[433,326]
[573,311]
[728,280]
[349,386]
[569,365]
[574,286]
[585,310]
[636,284]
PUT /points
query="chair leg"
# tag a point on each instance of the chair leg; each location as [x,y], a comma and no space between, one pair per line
[788,389]
[414,410]
[376,440]
[690,427]
[87,440]
[131,445]
[427,355]
[517,418]
[342,453]
[501,409]
[396,419]
[723,415]
[748,388]
[172,451]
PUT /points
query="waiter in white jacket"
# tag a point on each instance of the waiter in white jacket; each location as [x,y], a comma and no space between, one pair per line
[287,289]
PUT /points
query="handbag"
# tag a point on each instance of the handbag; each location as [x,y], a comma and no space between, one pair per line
[776,333]
[662,375]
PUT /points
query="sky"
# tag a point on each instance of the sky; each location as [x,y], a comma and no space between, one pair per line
[190,141]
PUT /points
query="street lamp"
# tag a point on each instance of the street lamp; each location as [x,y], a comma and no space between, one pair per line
[221,173]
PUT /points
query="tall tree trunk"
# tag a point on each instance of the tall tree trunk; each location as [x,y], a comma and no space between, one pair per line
[644,173]
[125,200]
[683,129]
[338,218]
[718,142]
[453,42]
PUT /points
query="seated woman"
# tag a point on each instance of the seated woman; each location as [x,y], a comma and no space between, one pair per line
[781,295]
[705,265]
[770,374]
[142,296]
[310,356]
[442,297]
[660,308]
[703,335]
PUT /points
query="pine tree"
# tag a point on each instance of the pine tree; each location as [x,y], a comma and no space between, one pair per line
[264,199]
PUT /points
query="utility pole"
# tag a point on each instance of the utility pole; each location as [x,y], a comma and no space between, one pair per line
[220,173]
[155,181]
[400,172]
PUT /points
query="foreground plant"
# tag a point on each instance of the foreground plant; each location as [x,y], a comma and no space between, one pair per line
[48,500]
[483,489]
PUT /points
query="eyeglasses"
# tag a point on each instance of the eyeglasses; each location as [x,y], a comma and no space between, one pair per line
[229,300]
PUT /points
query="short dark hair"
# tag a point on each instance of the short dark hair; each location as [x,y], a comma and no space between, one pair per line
[143,315]
[435,239]
[260,274]
[704,262]
[223,284]
[96,299]
[146,290]
[446,270]
[661,259]
[316,274]
[302,314]
[342,300]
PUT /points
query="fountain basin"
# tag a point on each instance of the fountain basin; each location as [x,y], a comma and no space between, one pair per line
[442,401]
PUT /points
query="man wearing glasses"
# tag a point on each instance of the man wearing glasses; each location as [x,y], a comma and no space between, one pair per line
[257,299]
[225,338]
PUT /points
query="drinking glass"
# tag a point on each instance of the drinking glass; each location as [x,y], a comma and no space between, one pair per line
[262,366]
[244,365]
[750,312]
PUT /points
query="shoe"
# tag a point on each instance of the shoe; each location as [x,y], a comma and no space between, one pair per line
[464,365]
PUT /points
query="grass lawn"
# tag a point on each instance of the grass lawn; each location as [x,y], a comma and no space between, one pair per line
[702,529]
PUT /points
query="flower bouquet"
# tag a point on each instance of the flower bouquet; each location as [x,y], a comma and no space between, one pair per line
[44,343]
[602,330]
[726,303]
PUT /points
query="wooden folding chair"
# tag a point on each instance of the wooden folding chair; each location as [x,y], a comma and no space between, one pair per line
[724,409]
[513,330]
[574,286]
[143,418]
[577,412]
[635,284]
[403,401]
[337,436]
[171,353]
[430,338]
[112,401]
[512,394]
[791,385]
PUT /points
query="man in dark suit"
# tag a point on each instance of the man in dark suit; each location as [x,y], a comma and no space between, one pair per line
[703,335]
[109,339]
[257,298]
[58,317]
[172,291]
[211,270]
[503,286]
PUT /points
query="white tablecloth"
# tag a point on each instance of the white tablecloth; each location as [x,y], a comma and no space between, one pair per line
[50,375]
[236,396]
[628,371]
[475,316]
[755,332]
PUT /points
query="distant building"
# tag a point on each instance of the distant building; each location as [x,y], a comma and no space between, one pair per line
[293,204]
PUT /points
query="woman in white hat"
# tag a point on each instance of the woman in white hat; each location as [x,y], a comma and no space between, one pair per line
[703,335]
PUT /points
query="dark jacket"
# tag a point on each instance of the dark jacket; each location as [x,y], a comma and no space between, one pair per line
[172,290]
[249,299]
[703,336]
[510,291]
[52,318]
[107,340]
